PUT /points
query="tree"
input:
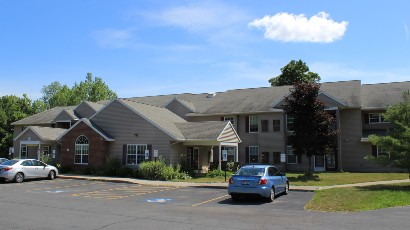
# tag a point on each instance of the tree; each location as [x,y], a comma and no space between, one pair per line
[56,94]
[293,72]
[397,141]
[312,132]
[13,108]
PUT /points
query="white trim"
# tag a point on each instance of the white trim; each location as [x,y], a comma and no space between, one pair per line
[257,154]
[233,128]
[257,123]
[136,153]
[380,116]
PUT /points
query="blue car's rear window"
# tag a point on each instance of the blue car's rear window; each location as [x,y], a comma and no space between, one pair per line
[250,172]
[10,162]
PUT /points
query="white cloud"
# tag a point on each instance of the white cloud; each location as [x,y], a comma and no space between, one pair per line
[114,38]
[297,28]
[406,29]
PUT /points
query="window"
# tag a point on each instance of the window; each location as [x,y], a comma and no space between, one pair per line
[253,154]
[273,172]
[23,151]
[231,153]
[382,152]
[231,119]
[264,125]
[81,150]
[135,154]
[276,157]
[376,118]
[276,125]
[46,150]
[291,157]
[289,123]
[265,157]
[253,124]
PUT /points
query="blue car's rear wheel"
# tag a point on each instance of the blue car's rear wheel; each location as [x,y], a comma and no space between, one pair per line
[272,195]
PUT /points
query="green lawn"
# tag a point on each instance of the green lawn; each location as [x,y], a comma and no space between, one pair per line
[355,199]
[321,179]
[334,178]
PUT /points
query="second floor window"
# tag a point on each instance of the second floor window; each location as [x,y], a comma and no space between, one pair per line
[376,118]
[231,119]
[289,123]
[264,126]
[253,124]
[276,125]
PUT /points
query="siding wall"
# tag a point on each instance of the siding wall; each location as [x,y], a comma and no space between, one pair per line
[122,123]
[352,149]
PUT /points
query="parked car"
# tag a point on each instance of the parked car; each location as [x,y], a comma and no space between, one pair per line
[21,169]
[3,160]
[262,180]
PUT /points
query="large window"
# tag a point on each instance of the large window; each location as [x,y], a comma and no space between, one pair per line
[289,123]
[376,118]
[46,150]
[253,154]
[231,119]
[291,157]
[276,125]
[231,153]
[253,124]
[81,150]
[135,154]
[276,158]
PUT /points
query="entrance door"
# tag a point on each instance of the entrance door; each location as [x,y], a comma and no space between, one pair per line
[331,161]
[319,163]
[195,158]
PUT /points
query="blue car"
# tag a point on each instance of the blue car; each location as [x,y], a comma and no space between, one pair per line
[261,180]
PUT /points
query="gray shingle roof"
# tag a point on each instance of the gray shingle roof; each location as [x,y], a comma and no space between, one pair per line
[97,105]
[46,117]
[383,95]
[160,117]
[206,130]
[44,133]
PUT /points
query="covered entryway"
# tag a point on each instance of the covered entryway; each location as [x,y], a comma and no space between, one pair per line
[319,163]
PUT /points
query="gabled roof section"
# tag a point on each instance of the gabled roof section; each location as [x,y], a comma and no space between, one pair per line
[44,133]
[45,117]
[66,115]
[189,105]
[384,94]
[86,108]
[160,117]
[97,129]
[209,130]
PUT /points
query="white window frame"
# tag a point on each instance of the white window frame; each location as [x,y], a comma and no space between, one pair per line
[289,120]
[82,150]
[23,152]
[230,154]
[138,153]
[378,116]
[253,154]
[231,119]
[256,122]
[289,153]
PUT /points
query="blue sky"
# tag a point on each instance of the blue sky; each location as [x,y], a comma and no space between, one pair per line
[142,48]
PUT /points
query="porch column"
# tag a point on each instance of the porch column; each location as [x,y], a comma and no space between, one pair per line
[211,158]
[39,152]
[220,149]
[236,153]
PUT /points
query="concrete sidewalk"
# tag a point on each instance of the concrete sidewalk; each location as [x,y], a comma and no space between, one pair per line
[212,185]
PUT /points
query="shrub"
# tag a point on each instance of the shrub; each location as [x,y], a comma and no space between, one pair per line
[215,173]
[158,170]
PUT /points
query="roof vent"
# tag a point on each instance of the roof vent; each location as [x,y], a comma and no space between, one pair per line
[211,95]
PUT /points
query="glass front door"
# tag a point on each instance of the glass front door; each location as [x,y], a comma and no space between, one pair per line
[319,163]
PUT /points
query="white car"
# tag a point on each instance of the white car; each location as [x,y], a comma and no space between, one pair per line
[20,169]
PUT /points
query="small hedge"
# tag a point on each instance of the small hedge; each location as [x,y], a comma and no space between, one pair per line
[158,170]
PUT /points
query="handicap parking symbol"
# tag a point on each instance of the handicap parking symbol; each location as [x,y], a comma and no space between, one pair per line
[158,200]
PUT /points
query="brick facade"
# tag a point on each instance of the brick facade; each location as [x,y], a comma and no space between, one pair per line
[98,147]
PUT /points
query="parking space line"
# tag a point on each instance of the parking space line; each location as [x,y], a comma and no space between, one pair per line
[207,201]
[130,191]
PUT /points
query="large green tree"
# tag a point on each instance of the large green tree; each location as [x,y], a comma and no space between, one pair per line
[397,141]
[293,72]
[312,125]
[13,108]
[91,89]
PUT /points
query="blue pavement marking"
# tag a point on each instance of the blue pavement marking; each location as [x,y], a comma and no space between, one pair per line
[158,200]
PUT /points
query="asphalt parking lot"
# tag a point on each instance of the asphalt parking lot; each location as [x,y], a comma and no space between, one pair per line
[82,204]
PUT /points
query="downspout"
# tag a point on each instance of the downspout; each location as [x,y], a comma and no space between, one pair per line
[339,140]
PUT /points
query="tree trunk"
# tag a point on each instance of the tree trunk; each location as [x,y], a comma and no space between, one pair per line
[309,172]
